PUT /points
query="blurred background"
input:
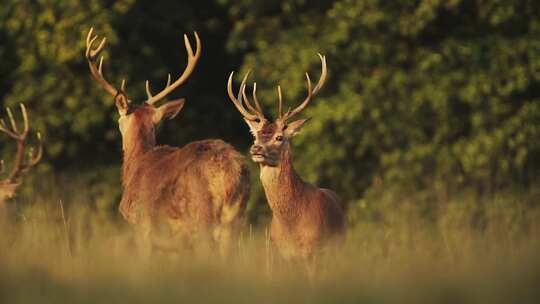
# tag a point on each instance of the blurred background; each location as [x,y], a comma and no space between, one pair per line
[428,128]
[431,107]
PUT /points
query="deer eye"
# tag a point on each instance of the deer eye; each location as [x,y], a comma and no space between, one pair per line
[279,138]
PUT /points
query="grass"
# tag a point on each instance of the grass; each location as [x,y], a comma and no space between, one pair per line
[83,256]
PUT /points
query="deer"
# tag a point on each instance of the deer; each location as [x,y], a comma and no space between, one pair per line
[24,159]
[305,219]
[195,194]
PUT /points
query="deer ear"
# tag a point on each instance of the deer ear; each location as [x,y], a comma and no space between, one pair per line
[168,110]
[254,126]
[293,128]
[122,104]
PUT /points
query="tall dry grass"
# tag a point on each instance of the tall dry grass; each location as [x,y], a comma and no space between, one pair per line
[470,252]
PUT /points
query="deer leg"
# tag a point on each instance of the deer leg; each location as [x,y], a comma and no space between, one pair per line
[204,242]
[226,237]
[221,236]
[226,233]
[142,241]
[230,208]
[311,267]
[142,231]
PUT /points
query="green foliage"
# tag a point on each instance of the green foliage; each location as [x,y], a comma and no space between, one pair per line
[44,40]
[46,69]
[419,92]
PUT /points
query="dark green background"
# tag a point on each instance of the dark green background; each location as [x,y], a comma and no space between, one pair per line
[431,97]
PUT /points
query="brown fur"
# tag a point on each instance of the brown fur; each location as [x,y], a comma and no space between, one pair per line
[305,219]
[7,191]
[197,192]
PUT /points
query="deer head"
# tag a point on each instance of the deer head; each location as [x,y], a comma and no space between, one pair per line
[272,137]
[137,122]
[23,160]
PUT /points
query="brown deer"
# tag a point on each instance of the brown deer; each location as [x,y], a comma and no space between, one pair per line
[304,218]
[23,161]
[196,193]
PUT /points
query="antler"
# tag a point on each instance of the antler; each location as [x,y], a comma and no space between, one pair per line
[290,113]
[97,72]
[258,108]
[20,137]
[192,62]
[250,113]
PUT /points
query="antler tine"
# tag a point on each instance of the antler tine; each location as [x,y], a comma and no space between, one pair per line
[280,102]
[311,92]
[324,73]
[12,121]
[168,80]
[148,90]
[91,55]
[243,98]
[290,113]
[14,131]
[90,39]
[192,62]
[257,104]
[20,137]
[100,66]
[257,111]
[25,120]
[238,101]
[123,85]
[4,128]
[34,159]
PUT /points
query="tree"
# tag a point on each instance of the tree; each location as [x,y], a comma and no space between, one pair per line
[420,92]
[45,68]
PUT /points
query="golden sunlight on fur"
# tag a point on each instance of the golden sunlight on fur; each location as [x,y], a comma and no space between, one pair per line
[305,219]
[194,195]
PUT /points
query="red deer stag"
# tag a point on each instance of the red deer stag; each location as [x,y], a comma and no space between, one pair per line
[23,160]
[305,218]
[197,193]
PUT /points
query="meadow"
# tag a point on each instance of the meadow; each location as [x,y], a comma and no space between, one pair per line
[66,252]
[427,128]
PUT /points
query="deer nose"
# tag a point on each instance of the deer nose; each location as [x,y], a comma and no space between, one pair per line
[255,149]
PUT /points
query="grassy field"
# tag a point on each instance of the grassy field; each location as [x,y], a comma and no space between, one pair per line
[52,254]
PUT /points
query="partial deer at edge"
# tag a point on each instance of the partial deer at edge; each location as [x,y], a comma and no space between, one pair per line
[23,160]
[193,194]
[305,218]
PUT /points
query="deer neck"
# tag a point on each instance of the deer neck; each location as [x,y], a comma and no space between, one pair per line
[135,145]
[283,188]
